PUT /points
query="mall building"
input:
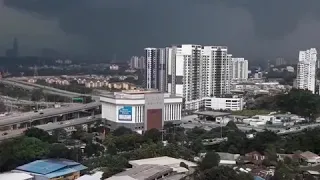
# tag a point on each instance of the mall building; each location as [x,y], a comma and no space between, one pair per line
[140,110]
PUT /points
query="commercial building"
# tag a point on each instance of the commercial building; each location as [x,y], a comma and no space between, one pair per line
[239,69]
[233,104]
[306,70]
[140,110]
[52,169]
[155,72]
[196,71]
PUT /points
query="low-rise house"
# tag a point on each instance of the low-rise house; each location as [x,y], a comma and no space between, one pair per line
[253,157]
[310,157]
[228,158]
[32,80]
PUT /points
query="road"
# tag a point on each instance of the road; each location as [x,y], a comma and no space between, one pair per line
[46,113]
[69,123]
[49,127]
[190,122]
[26,102]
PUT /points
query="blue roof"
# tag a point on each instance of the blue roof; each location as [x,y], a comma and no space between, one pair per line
[258,178]
[52,167]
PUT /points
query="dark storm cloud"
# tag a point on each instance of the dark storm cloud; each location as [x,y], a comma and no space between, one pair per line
[125,27]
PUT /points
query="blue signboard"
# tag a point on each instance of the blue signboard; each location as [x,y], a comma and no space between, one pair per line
[125,113]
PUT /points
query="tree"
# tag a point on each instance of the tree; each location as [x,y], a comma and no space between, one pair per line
[40,134]
[58,150]
[211,159]
[184,165]
[301,102]
[122,131]
[232,125]
[37,95]
[222,173]
[2,107]
[153,134]
[110,171]
[16,152]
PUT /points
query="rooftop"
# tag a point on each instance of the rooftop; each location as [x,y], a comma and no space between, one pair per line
[212,113]
[228,156]
[309,155]
[52,167]
[146,171]
[15,176]
[164,161]
[134,94]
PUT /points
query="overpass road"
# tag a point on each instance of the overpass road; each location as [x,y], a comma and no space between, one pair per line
[45,113]
[46,89]
[49,127]
[26,102]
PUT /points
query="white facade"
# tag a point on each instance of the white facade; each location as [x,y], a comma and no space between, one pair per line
[239,69]
[233,104]
[135,103]
[196,71]
[306,70]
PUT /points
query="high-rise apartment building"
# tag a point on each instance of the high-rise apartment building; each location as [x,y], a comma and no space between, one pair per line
[306,73]
[196,71]
[137,62]
[239,70]
[156,69]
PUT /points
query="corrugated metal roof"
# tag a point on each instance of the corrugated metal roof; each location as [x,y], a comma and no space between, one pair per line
[65,171]
[52,167]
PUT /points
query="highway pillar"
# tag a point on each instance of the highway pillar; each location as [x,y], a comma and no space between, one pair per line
[55,119]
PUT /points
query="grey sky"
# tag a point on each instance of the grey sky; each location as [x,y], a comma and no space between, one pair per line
[102,28]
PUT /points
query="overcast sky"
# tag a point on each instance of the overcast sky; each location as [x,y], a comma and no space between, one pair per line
[102,28]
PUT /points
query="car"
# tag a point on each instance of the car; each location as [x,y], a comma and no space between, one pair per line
[3,134]
[41,113]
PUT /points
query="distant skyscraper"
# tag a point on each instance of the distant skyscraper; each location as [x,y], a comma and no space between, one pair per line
[306,73]
[155,69]
[280,61]
[137,62]
[134,62]
[239,69]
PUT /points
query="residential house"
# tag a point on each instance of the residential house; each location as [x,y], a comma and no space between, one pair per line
[310,157]
[253,157]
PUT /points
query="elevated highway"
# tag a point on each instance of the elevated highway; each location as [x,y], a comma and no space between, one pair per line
[50,126]
[45,114]
[46,89]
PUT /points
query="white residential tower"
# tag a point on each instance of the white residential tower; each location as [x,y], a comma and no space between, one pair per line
[306,73]
[239,69]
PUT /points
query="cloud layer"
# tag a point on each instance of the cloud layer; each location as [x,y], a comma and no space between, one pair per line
[124,27]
